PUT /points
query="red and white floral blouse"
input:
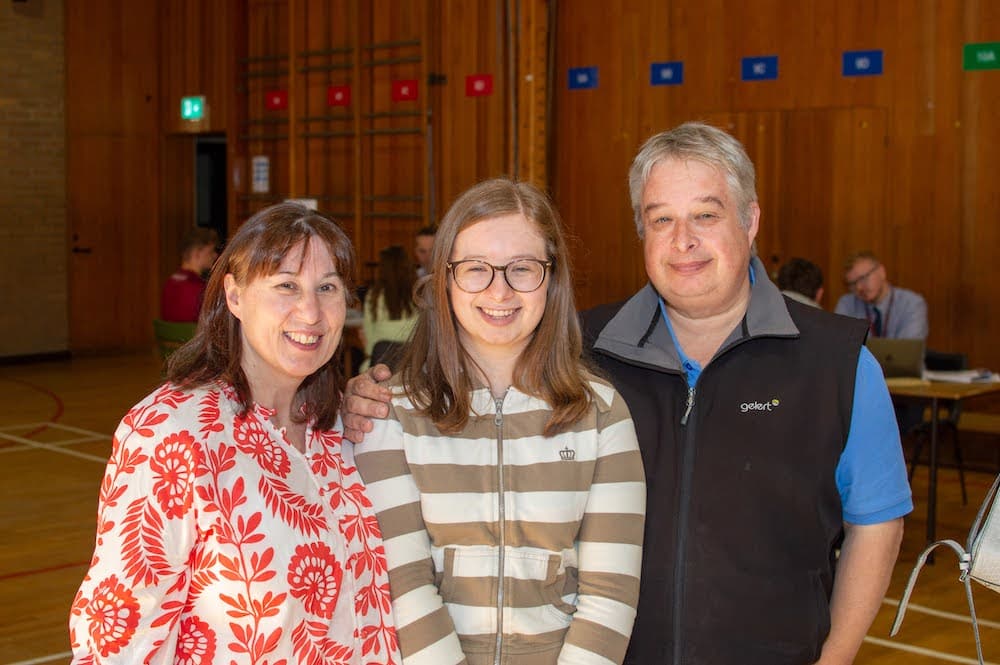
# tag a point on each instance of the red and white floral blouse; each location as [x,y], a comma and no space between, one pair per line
[218,542]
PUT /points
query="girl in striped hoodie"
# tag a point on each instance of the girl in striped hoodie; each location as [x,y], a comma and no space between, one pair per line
[507,479]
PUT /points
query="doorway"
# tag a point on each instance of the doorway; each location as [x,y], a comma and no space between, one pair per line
[210,183]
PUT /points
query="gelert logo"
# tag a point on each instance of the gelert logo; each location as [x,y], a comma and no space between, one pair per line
[770,405]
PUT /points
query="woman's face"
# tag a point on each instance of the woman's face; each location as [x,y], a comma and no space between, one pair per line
[498,320]
[291,321]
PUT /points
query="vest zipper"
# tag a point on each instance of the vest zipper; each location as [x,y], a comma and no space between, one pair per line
[688,453]
[501,514]
[690,405]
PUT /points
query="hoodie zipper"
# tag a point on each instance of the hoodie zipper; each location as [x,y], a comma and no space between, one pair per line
[501,514]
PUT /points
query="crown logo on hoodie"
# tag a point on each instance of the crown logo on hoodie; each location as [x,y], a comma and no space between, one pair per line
[567,455]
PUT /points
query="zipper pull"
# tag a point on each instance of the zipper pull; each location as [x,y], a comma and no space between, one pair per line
[690,405]
[498,418]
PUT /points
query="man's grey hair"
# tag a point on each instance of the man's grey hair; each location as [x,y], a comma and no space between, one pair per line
[703,143]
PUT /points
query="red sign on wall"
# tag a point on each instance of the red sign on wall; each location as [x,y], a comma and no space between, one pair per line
[478,85]
[338,95]
[276,100]
[404,91]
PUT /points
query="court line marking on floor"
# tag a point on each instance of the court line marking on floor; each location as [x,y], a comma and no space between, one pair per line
[68,428]
[89,436]
[44,659]
[61,442]
[963,618]
[900,646]
[28,443]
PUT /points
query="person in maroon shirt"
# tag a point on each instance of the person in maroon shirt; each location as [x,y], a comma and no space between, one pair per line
[183,290]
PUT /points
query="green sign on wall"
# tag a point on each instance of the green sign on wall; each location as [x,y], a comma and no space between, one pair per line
[981,56]
[192,108]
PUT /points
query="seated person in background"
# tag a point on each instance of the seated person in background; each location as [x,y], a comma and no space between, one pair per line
[389,310]
[801,280]
[494,410]
[183,291]
[890,310]
[422,249]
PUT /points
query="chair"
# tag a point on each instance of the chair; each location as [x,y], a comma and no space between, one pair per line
[939,361]
[171,334]
[387,353]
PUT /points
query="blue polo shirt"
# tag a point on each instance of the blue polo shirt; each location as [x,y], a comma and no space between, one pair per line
[871,474]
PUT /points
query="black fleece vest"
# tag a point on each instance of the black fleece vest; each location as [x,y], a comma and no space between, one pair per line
[743,514]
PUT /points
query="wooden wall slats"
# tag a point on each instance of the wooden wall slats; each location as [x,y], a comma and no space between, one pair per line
[898,163]
[901,163]
[472,139]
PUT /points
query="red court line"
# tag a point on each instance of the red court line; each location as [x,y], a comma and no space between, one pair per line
[60,407]
[38,571]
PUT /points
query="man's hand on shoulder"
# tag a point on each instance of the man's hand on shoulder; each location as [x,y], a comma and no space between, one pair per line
[365,398]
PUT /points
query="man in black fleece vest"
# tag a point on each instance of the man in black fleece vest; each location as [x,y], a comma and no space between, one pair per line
[766,429]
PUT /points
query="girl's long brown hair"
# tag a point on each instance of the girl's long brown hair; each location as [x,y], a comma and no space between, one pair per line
[437,370]
[394,282]
[257,250]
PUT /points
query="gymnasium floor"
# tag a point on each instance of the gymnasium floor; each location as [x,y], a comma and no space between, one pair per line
[56,420]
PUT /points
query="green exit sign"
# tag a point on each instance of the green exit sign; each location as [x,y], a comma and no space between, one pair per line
[981,56]
[192,108]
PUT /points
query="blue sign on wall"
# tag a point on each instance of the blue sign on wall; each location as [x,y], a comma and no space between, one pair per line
[582,78]
[863,63]
[762,68]
[666,73]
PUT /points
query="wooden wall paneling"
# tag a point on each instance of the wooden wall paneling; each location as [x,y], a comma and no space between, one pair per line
[91,66]
[861,198]
[435,203]
[978,289]
[594,138]
[112,172]
[361,26]
[292,85]
[904,154]
[944,174]
[237,163]
[531,85]
[473,131]
[327,134]
[393,132]
[199,48]
[197,58]
[178,197]
[266,69]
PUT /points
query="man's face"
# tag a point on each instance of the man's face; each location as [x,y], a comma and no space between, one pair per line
[695,250]
[867,280]
[422,250]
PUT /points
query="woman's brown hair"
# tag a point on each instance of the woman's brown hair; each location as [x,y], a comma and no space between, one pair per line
[257,250]
[437,371]
[394,282]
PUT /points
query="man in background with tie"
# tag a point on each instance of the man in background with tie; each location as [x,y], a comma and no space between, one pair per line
[891,311]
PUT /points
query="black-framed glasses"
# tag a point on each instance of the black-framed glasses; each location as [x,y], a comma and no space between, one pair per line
[522,275]
[853,284]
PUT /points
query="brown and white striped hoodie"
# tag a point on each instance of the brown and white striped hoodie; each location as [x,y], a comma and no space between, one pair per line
[504,546]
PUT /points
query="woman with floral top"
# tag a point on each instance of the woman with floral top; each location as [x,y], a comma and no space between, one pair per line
[233,526]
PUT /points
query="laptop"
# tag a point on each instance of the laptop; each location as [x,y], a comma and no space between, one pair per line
[898,357]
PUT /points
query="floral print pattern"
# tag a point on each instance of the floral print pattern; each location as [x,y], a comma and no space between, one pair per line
[314,577]
[218,542]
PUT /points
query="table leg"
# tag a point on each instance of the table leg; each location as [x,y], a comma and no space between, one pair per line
[932,483]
